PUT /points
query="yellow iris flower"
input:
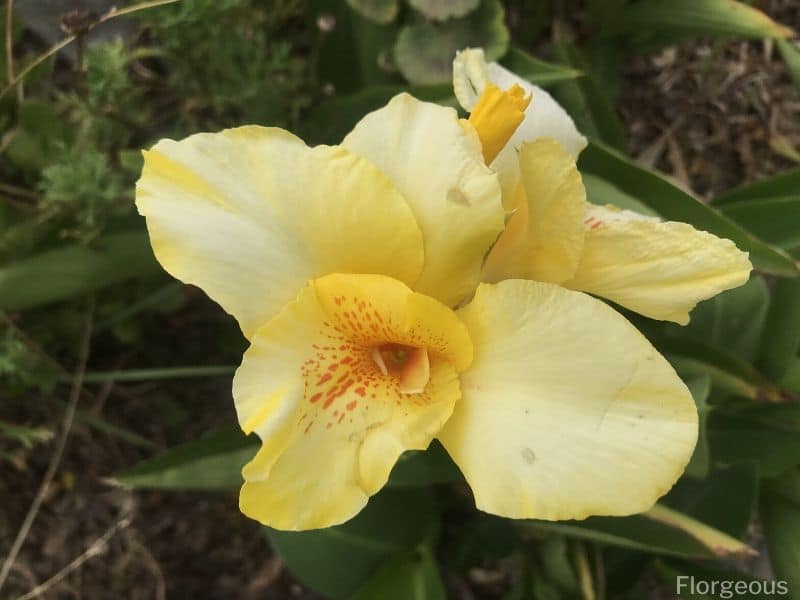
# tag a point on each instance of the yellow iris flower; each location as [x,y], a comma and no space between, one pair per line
[355,273]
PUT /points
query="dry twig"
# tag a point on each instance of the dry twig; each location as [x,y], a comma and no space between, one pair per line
[55,460]
[97,547]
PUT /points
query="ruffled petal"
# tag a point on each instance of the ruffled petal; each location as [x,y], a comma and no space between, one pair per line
[332,418]
[437,164]
[251,214]
[567,410]
[544,116]
[658,269]
[543,239]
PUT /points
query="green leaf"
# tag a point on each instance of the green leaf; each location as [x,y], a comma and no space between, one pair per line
[775,450]
[677,205]
[781,339]
[34,141]
[791,56]
[718,542]
[587,101]
[781,185]
[728,373]
[439,10]
[380,11]
[781,521]
[557,567]
[212,462]
[424,52]
[351,47]
[701,459]
[732,321]
[784,416]
[535,70]
[424,467]
[483,536]
[774,220]
[414,576]
[682,577]
[601,192]
[75,270]
[726,499]
[26,436]
[112,430]
[701,17]
[791,379]
[20,238]
[337,561]
[786,485]
[660,531]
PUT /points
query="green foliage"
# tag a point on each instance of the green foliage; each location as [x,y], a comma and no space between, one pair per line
[380,11]
[82,184]
[424,52]
[14,436]
[213,462]
[340,560]
[226,62]
[704,17]
[411,576]
[440,10]
[112,105]
[781,517]
[75,270]
[21,367]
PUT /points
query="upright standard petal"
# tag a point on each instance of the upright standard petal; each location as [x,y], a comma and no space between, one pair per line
[251,214]
[544,117]
[354,372]
[437,164]
[656,268]
[567,410]
[543,239]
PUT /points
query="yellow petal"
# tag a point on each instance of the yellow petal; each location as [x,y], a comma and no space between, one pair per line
[658,269]
[437,164]
[332,422]
[251,214]
[543,239]
[567,410]
[544,117]
[496,116]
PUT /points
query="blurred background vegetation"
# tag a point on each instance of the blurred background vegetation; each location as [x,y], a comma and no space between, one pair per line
[693,114]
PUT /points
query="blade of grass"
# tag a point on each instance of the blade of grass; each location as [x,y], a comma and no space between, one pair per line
[154,374]
[703,17]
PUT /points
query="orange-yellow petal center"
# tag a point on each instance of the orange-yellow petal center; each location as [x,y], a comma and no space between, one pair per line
[379,342]
[411,366]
